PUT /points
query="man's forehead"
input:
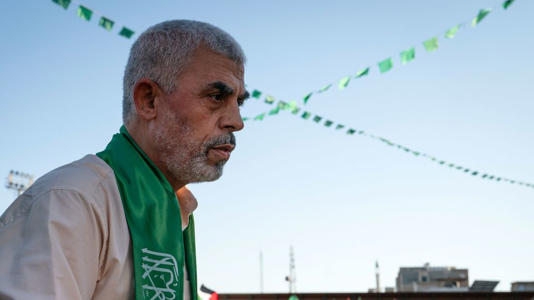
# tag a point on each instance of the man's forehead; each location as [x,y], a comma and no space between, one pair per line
[208,67]
[203,55]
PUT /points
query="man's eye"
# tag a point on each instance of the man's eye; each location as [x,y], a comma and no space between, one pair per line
[217,97]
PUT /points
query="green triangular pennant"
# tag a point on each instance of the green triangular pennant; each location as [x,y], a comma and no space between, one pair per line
[126,32]
[63,3]
[259,117]
[407,55]
[325,88]
[389,143]
[256,94]
[340,126]
[306,115]
[106,23]
[317,119]
[328,123]
[274,111]
[431,44]
[269,99]
[481,15]
[293,297]
[343,82]
[351,131]
[293,107]
[84,13]
[507,3]
[283,105]
[307,97]
[362,73]
[385,65]
[451,33]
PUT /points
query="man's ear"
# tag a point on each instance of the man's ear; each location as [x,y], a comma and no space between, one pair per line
[146,95]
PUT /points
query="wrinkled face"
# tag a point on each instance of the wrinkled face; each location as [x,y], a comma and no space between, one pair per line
[195,123]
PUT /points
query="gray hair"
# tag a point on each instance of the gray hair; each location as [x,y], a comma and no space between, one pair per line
[163,50]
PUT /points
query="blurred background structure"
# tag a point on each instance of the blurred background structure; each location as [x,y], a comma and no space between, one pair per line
[18,181]
[432,279]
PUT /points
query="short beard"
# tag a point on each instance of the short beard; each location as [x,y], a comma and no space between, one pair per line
[186,161]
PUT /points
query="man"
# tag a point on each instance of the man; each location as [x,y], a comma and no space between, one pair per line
[109,226]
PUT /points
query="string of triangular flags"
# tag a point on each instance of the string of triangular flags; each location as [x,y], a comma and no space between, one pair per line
[384,66]
[405,56]
[306,115]
[87,14]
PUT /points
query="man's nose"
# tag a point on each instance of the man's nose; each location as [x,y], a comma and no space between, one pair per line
[232,120]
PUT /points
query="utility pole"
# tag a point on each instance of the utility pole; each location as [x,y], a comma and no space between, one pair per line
[18,181]
[292,277]
[261,272]
[377,274]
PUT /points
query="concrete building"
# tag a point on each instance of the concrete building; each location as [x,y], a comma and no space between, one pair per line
[432,279]
[523,286]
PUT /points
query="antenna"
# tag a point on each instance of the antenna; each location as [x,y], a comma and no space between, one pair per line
[18,181]
[292,277]
[377,274]
[261,272]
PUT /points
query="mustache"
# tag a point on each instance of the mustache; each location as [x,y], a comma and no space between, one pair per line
[220,140]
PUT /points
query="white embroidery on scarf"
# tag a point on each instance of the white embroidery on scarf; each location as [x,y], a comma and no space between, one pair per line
[160,276]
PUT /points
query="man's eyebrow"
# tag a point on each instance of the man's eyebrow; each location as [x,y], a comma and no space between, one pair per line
[221,87]
[226,90]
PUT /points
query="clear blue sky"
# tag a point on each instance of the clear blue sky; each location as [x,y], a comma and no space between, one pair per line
[342,202]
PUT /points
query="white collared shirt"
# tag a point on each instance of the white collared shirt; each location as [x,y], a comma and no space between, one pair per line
[66,237]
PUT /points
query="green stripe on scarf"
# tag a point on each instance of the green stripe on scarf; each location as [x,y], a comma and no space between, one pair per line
[160,249]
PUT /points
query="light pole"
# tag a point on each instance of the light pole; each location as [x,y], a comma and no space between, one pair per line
[18,181]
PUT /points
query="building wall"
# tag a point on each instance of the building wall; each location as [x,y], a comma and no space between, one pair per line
[432,279]
[524,286]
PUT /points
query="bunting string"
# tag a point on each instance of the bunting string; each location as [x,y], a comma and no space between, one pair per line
[87,14]
[384,66]
[405,56]
[306,115]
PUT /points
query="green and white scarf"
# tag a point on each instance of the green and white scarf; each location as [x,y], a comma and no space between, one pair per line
[160,249]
